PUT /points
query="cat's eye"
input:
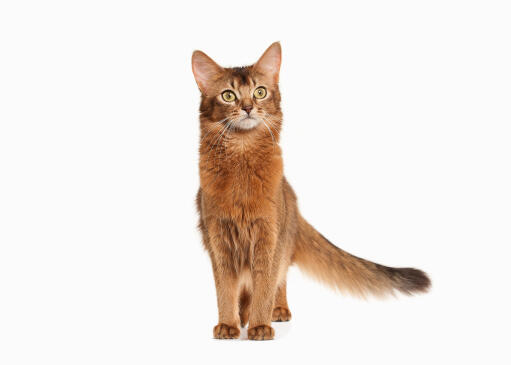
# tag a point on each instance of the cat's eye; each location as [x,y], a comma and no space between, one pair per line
[260,92]
[228,96]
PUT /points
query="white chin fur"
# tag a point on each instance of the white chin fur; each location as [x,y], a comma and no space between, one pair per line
[247,123]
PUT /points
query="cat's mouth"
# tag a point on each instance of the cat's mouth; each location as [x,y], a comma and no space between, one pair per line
[246,123]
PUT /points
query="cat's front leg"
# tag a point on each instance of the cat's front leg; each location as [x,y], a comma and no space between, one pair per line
[263,270]
[226,283]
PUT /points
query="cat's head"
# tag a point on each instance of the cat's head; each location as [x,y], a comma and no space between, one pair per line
[245,98]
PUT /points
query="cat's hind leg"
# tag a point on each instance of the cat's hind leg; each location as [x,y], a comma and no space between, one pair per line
[281,312]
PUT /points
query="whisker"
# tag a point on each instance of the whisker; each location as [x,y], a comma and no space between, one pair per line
[216,160]
[213,144]
[269,123]
[219,139]
[225,129]
[275,129]
[272,136]
[211,130]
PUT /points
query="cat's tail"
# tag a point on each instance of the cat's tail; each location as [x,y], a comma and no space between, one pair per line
[317,256]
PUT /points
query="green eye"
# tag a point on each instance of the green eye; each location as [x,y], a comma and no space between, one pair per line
[228,96]
[260,92]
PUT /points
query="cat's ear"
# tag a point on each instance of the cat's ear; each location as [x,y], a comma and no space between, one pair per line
[269,63]
[205,70]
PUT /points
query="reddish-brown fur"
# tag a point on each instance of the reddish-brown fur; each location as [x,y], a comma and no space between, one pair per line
[249,219]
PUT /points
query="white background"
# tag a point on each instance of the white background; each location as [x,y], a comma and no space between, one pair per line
[396,139]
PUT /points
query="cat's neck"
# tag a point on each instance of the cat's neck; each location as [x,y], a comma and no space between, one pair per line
[240,167]
[225,160]
[259,142]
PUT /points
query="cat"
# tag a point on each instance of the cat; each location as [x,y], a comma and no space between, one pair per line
[249,218]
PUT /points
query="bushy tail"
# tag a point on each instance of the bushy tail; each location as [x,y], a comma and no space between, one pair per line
[317,256]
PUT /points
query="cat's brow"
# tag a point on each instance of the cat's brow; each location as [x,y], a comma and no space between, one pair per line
[241,74]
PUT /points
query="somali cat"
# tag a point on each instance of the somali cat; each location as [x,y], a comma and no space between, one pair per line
[249,218]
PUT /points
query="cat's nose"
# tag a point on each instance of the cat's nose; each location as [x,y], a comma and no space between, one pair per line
[247,108]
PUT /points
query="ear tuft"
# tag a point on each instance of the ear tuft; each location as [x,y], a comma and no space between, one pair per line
[269,63]
[205,70]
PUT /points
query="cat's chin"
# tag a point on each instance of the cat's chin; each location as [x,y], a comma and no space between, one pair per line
[247,124]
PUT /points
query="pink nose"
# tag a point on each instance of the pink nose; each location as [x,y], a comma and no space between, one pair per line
[247,108]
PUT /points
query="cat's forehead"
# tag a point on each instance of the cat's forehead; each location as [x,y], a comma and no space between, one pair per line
[242,79]
[239,77]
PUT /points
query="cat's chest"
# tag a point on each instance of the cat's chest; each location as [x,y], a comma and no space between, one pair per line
[247,177]
[244,185]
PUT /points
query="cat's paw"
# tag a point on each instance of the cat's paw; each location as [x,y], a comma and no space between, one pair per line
[225,332]
[262,332]
[281,314]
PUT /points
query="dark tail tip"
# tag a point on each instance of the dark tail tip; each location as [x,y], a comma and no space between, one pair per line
[409,280]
